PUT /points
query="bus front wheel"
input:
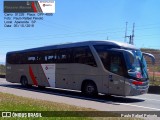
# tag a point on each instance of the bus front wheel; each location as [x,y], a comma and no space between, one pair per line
[90,89]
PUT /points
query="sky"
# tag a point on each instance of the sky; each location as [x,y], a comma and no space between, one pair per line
[83,20]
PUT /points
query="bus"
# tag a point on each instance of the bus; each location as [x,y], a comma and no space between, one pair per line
[92,67]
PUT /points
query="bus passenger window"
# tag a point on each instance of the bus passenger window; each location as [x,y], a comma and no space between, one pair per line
[64,56]
[116,65]
[84,55]
[31,59]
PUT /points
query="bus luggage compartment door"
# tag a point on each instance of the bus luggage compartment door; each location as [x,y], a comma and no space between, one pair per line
[116,85]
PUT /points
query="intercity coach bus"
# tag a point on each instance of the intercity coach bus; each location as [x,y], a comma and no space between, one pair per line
[93,67]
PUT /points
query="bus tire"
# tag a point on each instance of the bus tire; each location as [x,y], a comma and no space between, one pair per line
[24,81]
[89,88]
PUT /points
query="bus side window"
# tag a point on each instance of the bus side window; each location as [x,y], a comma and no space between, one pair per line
[54,57]
[23,59]
[63,56]
[83,55]
[116,65]
[31,59]
[13,58]
[34,57]
[50,58]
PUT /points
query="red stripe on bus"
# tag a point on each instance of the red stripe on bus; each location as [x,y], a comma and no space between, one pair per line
[32,76]
[33,7]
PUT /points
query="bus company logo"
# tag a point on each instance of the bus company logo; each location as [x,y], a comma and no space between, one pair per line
[45,5]
[6,114]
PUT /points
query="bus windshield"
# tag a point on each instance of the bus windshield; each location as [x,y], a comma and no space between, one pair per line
[137,68]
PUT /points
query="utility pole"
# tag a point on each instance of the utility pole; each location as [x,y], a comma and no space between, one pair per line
[125,33]
[131,37]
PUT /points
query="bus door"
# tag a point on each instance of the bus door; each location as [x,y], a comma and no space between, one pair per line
[116,77]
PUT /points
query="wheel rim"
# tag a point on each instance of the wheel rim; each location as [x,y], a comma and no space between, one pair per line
[90,89]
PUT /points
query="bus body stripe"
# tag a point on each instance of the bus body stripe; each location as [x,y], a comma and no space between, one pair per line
[33,7]
[32,76]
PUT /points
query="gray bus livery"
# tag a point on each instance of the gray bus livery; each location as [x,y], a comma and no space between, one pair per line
[93,67]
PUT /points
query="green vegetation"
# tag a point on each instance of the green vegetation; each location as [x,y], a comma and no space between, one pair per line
[2,70]
[157,68]
[154,80]
[15,103]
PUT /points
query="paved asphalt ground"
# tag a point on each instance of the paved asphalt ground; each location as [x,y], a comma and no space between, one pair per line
[146,102]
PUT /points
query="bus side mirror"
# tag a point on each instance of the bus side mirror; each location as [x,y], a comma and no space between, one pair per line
[151,56]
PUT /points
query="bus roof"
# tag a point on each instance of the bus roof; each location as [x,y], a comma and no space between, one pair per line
[79,44]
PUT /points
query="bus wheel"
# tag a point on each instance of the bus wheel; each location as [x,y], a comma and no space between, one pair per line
[24,82]
[90,89]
